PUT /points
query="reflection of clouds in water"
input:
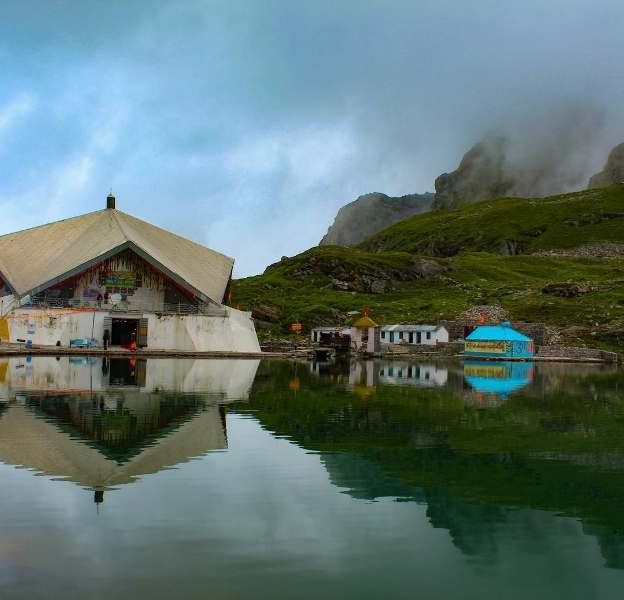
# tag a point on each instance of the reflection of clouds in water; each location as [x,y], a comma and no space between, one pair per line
[266,509]
[291,518]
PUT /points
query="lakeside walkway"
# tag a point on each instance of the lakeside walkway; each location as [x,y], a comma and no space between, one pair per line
[22,350]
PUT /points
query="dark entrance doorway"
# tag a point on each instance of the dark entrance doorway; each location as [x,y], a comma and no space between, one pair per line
[124,331]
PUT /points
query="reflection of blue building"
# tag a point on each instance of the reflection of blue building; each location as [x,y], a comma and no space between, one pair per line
[499,341]
[501,378]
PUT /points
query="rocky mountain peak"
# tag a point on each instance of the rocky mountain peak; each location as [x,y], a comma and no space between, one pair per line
[480,176]
[371,213]
[613,171]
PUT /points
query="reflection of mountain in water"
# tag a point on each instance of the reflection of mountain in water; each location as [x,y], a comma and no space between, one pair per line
[553,447]
[364,479]
[81,427]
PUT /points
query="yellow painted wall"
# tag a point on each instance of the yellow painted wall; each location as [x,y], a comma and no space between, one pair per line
[4,330]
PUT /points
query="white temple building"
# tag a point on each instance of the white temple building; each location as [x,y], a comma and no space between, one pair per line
[73,280]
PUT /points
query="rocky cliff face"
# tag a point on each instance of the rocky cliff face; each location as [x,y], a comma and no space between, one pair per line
[480,176]
[613,171]
[519,166]
[371,213]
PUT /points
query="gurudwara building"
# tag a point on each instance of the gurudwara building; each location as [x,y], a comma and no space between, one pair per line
[107,275]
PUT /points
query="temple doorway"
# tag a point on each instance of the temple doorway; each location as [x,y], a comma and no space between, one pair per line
[124,331]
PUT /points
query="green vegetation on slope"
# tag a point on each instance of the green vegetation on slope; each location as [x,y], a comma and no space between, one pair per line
[304,287]
[519,224]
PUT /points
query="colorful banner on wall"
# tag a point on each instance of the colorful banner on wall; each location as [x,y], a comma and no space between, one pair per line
[489,347]
[120,279]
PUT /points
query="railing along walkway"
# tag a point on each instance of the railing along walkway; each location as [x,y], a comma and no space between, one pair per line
[207,310]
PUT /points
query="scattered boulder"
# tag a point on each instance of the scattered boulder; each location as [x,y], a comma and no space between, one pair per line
[266,312]
[337,284]
[594,250]
[488,313]
[369,278]
[613,171]
[567,290]
[427,267]
[380,286]
[509,247]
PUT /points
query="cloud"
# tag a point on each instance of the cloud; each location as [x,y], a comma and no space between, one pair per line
[246,126]
[13,110]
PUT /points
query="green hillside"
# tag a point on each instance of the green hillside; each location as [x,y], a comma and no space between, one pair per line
[403,266]
[525,225]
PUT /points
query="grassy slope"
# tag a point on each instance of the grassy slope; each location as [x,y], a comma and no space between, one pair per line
[534,224]
[478,276]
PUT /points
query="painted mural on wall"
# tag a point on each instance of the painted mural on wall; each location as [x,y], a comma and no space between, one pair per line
[121,280]
[489,347]
[122,274]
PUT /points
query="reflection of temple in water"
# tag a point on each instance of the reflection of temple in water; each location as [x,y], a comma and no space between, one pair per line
[103,423]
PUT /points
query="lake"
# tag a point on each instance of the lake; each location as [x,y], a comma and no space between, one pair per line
[277,479]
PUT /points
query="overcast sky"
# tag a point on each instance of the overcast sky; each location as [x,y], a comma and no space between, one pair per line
[246,125]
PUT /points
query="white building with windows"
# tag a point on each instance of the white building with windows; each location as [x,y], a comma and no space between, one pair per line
[416,335]
[72,280]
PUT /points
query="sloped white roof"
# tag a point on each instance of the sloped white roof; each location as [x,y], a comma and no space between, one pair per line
[33,259]
[411,327]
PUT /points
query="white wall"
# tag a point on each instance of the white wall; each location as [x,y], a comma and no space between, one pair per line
[356,339]
[7,303]
[232,333]
[47,326]
[439,335]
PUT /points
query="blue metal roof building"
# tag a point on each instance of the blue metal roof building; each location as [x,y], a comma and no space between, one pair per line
[499,341]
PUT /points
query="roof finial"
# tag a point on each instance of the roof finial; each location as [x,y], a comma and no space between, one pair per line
[110,200]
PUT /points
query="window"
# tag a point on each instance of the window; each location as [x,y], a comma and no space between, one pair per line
[428,335]
[400,335]
[383,335]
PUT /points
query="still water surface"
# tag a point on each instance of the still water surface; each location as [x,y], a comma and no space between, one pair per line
[237,479]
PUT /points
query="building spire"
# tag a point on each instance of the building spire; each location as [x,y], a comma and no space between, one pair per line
[110,200]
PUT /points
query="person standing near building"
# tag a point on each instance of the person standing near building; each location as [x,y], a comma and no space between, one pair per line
[106,339]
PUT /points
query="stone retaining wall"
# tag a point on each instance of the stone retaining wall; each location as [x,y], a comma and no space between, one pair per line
[577,353]
[439,348]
